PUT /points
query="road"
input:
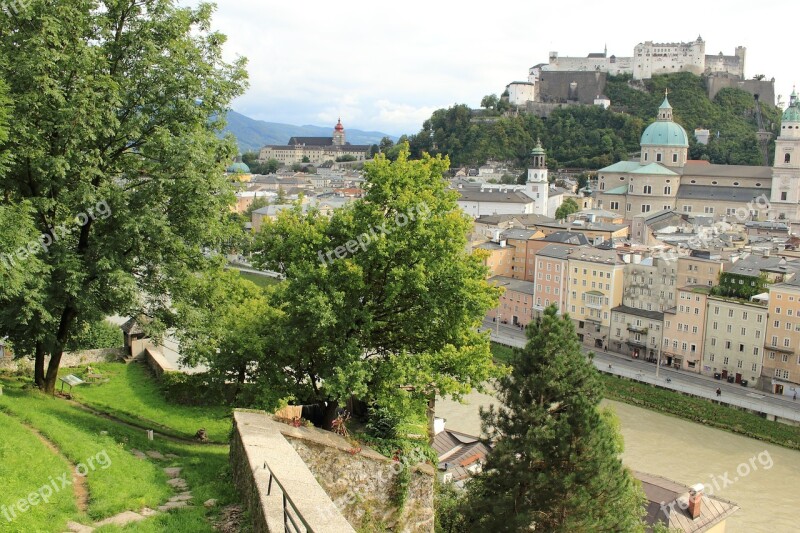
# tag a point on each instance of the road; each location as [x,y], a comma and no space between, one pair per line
[679,380]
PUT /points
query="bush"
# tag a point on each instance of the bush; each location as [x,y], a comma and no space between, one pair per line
[194,389]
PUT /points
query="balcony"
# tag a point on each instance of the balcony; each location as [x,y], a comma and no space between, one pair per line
[637,329]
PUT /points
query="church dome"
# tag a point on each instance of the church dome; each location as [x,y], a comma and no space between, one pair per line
[238,168]
[792,114]
[665,134]
[339,126]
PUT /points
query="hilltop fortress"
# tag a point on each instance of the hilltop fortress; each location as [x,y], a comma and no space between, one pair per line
[583,79]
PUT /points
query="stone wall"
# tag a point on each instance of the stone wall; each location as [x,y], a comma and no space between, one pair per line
[765,89]
[259,451]
[69,359]
[157,362]
[555,86]
[362,485]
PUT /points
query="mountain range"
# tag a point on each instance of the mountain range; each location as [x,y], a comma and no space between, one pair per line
[253,134]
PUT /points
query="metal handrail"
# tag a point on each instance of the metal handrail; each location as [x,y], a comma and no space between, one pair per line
[288,518]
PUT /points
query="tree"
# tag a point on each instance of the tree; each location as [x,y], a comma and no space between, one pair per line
[116,159]
[490,101]
[556,461]
[566,208]
[345,158]
[380,300]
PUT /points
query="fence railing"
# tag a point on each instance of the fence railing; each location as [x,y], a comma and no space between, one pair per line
[291,515]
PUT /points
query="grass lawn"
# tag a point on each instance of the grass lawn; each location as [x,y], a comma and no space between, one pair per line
[258,279]
[122,482]
[701,410]
[26,464]
[132,394]
[502,353]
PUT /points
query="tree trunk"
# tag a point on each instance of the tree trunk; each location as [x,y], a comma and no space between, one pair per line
[38,366]
[431,413]
[67,317]
[52,370]
[328,414]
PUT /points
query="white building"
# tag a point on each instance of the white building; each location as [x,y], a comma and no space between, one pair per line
[521,92]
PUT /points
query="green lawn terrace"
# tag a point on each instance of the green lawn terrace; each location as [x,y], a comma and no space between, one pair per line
[131,483]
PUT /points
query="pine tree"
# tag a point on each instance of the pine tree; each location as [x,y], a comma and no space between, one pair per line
[556,463]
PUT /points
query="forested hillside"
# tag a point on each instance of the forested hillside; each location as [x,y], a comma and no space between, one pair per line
[591,137]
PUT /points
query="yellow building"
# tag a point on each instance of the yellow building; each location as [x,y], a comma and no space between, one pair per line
[781,370]
[595,287]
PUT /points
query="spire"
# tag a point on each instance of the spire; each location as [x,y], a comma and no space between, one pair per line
[665,110]
[793,97]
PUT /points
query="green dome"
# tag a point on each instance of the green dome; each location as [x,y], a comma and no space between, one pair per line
[664,133]
[792,114]
[238,168]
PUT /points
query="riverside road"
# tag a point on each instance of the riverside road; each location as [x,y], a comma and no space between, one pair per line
[678,380]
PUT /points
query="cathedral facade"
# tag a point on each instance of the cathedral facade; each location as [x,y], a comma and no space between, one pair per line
[665,179]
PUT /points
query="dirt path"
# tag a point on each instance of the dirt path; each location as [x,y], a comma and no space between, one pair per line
[78,482]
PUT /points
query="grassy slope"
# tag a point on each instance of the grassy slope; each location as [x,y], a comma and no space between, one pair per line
[502,353]
[702,411]
[25,466]
[133,395]
[129,483]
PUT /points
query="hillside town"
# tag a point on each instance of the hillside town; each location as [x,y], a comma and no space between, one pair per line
[574,308]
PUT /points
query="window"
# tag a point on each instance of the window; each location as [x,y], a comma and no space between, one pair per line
[755,367]
[646,208]
[630,187]
[708,210]
[711,357]
[755,350]
[744,332]
[658,157]
[739,363]
[774,340]
[667,189]
[725,360]
[783,195]
[614,205]
[687,209]
[627,207]
[648,189]
[759,318]
[777,309]
[713,341]
[786,342]
[730,313]
[787,158]
[727,345]
[674,158]
[744,315]
[741,348]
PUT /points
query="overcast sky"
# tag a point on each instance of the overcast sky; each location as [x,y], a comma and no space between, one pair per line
[387,65]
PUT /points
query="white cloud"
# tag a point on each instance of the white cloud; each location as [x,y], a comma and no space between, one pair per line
[385,66]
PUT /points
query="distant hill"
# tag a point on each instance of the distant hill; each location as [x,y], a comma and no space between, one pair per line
[253,134]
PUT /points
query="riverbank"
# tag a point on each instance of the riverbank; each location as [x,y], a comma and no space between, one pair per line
[701,410]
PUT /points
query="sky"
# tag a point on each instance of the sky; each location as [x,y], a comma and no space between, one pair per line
[387,66]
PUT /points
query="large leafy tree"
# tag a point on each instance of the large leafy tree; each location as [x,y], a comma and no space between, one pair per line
[114,145]
[556,462]
[396,315]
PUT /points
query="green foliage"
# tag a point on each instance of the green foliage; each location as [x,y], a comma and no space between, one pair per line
[401,311]
[383,423]
[556,462]
[402,482]
[592,137]
[448,503]
[568,207]
[100,334]
[113,107]
[740,286]
[268,167]
[345,158]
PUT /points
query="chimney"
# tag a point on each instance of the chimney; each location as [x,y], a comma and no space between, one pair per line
[695,500]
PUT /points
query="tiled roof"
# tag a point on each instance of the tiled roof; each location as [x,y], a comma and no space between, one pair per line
[719,193]
[511,197]
[654,169]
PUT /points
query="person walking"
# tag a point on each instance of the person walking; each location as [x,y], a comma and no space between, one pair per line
[795,396]
[719,392]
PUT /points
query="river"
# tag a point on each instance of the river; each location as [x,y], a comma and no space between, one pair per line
[768,492]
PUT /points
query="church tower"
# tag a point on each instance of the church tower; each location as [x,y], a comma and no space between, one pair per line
[785,196]
[338,134]
[537,186]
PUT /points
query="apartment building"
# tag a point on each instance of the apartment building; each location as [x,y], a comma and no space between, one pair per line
[734,339]
[685,329]
[516,302]
[698,271]
[650,284]
[781,370]
[595,288]
[636,332]
[552,277]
